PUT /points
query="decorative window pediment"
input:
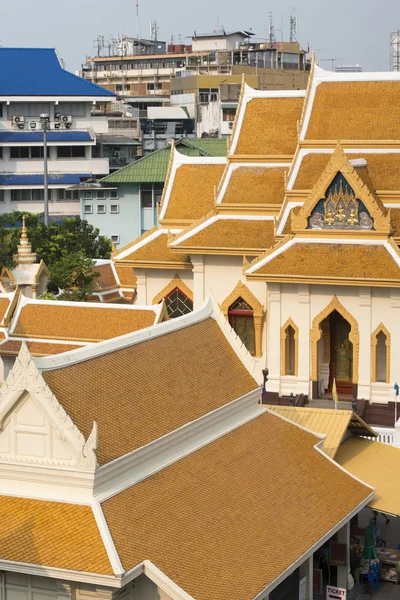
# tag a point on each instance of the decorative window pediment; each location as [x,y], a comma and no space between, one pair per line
[340,209]
[342,200]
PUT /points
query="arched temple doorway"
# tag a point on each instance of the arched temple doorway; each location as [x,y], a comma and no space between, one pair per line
[334,350]
[335,354]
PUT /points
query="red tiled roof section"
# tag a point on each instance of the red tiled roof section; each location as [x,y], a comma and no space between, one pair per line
[270,126]
[107,278]
[80,323]
[4,304]
[188,380]
[229,506]
[52,534]
[192,194]
[355,110]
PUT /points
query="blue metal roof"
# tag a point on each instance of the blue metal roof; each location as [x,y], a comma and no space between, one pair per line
[38,72]
[38,179]
[52,136]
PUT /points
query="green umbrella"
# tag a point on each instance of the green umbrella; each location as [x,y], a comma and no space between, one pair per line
[370,552]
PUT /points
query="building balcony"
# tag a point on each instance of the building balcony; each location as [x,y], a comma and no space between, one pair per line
[60,165]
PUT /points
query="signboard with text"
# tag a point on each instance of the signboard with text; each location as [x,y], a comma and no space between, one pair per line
[303,589]
[335,593]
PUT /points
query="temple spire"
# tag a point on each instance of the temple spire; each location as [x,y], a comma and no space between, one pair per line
[25,256]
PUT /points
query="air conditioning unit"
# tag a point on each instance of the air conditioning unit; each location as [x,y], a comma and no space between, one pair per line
[67,125]
[57,117]
[33,124]
[19,122]
[230,125]
[66,119]
[57,125]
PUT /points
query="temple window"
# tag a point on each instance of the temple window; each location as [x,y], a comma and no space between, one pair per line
[178,304]
[241,319]
[380,355]
[289,348]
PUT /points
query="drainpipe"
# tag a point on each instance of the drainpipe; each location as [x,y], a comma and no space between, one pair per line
[3,585]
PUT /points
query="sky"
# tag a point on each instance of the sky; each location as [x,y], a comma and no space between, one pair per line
[350,31]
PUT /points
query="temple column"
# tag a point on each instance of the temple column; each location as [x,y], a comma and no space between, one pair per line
[141,286]
[198,280]
[302,320]
[273,342]
[364,358]
[343,571]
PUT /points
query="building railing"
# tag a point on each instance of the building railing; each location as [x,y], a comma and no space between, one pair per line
[386,435]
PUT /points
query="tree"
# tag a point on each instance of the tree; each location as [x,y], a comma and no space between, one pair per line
[8,248]
[74,275]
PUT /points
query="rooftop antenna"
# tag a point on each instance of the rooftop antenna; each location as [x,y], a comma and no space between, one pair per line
[271,30]
[293,28]
[98,44]
[154,29]
[137,21]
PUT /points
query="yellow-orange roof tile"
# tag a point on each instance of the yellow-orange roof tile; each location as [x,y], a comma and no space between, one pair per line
[192,194]
[226,508]
[355,110]
[155,251]
[52,534]
[377,464]
[4,304]
[126,276]
[383,169]
[331,423]
[333,261]
[106,280]
[270,126]
[155,396]
[256,185]
[79,322]
[239,235]
[12,347]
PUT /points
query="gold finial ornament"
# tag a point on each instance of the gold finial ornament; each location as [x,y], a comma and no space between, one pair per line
[25,256]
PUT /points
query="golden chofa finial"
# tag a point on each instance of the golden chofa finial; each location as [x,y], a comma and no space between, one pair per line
[24,233]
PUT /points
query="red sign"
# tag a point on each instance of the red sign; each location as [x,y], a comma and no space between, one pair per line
[335,593]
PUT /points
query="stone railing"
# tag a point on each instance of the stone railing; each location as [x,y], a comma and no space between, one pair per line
[388,435]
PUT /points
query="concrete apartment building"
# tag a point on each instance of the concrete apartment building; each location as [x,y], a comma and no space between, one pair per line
[190,76]
[33,83]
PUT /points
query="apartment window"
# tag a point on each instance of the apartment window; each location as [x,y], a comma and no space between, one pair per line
[18,152]
[1,195]
[74,109]
[88,209]
[228,114]
[146,198]
[118,87]
[127,87]
[150,87]
[208,95]
[87,194]
[101,209]
[68,194]
[115,239]
[114,194]
[101,194]
[71,152]
[28,195]
[1,149]
[114,209]
[28,109]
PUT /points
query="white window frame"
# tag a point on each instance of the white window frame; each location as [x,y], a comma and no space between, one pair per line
[114,212]
[88,212]
[87,194]
[101,209]
[101,195]
[116,194]
[115,239]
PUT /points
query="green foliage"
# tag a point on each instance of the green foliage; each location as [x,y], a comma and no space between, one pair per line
[67,248]
[74,275]
[47,296]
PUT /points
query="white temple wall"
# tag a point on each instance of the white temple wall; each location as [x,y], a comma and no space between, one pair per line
[302,303]
[152,281]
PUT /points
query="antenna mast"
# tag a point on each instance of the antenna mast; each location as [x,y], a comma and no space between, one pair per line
[271,28]
[137,21]
[293,28]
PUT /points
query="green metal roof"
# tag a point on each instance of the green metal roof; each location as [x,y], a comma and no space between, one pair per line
[153,168]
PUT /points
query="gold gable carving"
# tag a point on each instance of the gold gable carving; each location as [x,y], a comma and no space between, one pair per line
[374,342]
[176,282]
[316,333]
[242,291]
[339,163]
